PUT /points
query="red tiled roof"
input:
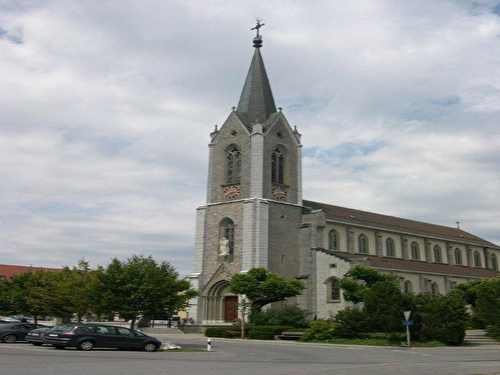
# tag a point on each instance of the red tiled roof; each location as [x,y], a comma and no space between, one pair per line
[416,265]
[370,219]
[8,270]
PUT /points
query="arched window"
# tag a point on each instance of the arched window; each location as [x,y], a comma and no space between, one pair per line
[278,166]
[332,289]
[333,240]
[390,250]
[437,254]
[362,244]
[494,262]
[233,165]
[477,259]
[434,289]
[458,256]
[226,233]
[408,286]
[415,252]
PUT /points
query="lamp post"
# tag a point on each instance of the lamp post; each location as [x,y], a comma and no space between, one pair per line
[407,323]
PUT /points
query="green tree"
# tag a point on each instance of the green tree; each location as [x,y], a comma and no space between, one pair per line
[140,286]
[262,287]
[440,317]
[6,300]
[358,281]
[384,306]
[68,292]
[28,293]
[488,301]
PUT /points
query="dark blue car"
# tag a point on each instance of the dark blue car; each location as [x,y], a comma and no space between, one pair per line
[13,332]
[89,336]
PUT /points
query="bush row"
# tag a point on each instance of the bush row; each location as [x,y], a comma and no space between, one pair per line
[252,332]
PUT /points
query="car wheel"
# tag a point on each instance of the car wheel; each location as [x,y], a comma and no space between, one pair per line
[86,345]
[59,346]
[149,347]
[9,339]
[37,343]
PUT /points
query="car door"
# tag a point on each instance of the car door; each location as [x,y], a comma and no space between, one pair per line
[23,329]
[105,336]
[128,339]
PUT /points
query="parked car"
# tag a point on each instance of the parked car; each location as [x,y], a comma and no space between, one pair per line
[89,336]
[8,319]
[16,331]
[23,319]
[37,335]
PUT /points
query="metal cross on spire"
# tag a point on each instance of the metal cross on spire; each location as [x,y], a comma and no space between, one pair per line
[258,26]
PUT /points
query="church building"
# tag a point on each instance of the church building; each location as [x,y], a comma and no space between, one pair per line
[254,216]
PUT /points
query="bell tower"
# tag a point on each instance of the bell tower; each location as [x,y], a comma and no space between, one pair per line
[254,197]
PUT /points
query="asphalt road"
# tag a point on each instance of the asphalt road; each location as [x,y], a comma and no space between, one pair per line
[243,357]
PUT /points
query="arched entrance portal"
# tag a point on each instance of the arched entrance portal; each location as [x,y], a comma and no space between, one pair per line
[221,306]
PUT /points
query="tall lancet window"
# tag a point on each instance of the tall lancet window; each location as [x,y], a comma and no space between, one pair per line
[333,240]
[233,165]
[415,252]
[390,248]
[278,166]
[494,262]
[362,244]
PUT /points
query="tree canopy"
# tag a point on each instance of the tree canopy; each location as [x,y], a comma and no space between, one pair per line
[262,287]
[140,286]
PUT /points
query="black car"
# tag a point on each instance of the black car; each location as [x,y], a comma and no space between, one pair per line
[89,336]
[16,331]
[37,335]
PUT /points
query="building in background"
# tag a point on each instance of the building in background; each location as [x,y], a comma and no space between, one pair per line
[7,270]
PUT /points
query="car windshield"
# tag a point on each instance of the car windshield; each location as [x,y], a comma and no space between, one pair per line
[63,328]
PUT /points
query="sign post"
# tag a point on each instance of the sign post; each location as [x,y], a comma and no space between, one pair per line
[407,323]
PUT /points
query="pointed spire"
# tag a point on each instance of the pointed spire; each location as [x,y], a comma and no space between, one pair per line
[256,101]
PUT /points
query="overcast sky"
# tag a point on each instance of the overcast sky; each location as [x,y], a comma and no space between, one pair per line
[106,108]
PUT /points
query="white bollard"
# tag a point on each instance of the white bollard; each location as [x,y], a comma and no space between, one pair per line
[209,344]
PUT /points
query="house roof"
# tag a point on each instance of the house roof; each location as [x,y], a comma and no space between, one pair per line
[415,265]
[391,223]
[8,270]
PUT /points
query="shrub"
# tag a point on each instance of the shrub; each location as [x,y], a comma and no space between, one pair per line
[442,318]
[319,330]
[220,332]
[383,307]
[267,332]
[292,316]
[351,323]
[476,322]
[493,331]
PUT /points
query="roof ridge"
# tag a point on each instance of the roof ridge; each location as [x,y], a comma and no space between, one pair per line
[395,223]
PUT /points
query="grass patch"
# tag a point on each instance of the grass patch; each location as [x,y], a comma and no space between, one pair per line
[376,341]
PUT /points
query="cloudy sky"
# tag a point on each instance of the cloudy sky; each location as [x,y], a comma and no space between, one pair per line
[106,107]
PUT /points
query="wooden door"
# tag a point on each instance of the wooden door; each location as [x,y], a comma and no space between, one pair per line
[230,308]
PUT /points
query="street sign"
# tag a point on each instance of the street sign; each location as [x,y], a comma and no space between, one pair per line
[408,322]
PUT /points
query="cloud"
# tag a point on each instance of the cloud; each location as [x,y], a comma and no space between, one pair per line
[106,110]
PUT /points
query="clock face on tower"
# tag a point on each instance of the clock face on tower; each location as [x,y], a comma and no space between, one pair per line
[231,192]
[279,192]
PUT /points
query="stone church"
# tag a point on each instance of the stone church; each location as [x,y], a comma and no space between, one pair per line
[255,216]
